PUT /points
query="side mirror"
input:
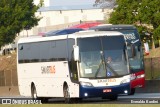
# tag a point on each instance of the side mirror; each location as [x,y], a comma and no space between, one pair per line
[76,53]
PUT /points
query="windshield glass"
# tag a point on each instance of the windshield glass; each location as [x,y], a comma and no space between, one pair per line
[102,57]
[136,62]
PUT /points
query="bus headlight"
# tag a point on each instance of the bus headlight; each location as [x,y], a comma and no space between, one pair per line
[141,76]
[133,76]
[88,84]
[125,81]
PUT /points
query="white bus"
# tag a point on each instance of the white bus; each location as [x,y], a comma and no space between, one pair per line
[81,65]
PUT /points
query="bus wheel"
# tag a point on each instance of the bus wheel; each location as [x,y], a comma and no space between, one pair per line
[33,93]
[66,94]
[132,91]
[43,100]
[75,100]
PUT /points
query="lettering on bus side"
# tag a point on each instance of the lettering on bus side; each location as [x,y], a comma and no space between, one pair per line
[130,36]
[48,69]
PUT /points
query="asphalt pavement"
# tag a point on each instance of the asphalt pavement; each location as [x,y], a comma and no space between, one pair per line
[138,98]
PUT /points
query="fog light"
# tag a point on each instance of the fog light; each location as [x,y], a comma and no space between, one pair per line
[125,91]
[85,94]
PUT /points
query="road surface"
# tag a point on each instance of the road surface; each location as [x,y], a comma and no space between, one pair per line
[138,98]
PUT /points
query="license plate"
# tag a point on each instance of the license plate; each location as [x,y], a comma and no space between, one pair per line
[107,90]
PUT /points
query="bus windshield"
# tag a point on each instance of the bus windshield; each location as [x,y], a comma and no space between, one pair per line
[136,63]
[102,57]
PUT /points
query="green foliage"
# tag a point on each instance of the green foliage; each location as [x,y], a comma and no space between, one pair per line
[125,12]
[156,33]
[141,13]
[15,16]
[149,12]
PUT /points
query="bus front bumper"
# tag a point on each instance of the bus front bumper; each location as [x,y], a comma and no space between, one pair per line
[88,92]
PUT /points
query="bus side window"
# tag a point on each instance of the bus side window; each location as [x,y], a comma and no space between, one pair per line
[20,53]
[20,47]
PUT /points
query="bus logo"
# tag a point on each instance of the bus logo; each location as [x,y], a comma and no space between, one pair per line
[48,70]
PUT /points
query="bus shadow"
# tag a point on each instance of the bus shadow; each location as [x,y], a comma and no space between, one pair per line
[84,101]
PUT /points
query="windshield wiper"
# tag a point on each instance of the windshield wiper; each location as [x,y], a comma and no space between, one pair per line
[99,67]
[105,67]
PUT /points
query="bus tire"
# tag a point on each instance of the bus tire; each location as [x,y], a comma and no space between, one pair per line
[132,91]
[34,92]
[66,94]
[43,100]
[75,100]
[35,97]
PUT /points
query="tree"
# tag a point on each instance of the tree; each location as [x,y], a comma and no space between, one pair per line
[125,12]
[150,15]
[15,16]
[145,14]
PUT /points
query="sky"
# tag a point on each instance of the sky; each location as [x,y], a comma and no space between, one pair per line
[71,2]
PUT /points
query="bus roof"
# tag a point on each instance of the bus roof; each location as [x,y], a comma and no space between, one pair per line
[81,34]
[113,27]
[90,33]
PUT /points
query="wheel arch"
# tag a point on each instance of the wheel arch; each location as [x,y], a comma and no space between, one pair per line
[32,84]
[65,84]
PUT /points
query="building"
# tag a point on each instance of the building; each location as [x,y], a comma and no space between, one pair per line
[54,18]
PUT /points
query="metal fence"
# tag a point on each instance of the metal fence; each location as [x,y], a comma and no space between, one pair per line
[8,78]
[152,68]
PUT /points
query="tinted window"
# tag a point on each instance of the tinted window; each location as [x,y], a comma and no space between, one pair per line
[58,50]
[43,51]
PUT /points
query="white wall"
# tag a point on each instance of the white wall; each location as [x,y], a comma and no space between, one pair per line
[55,18]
